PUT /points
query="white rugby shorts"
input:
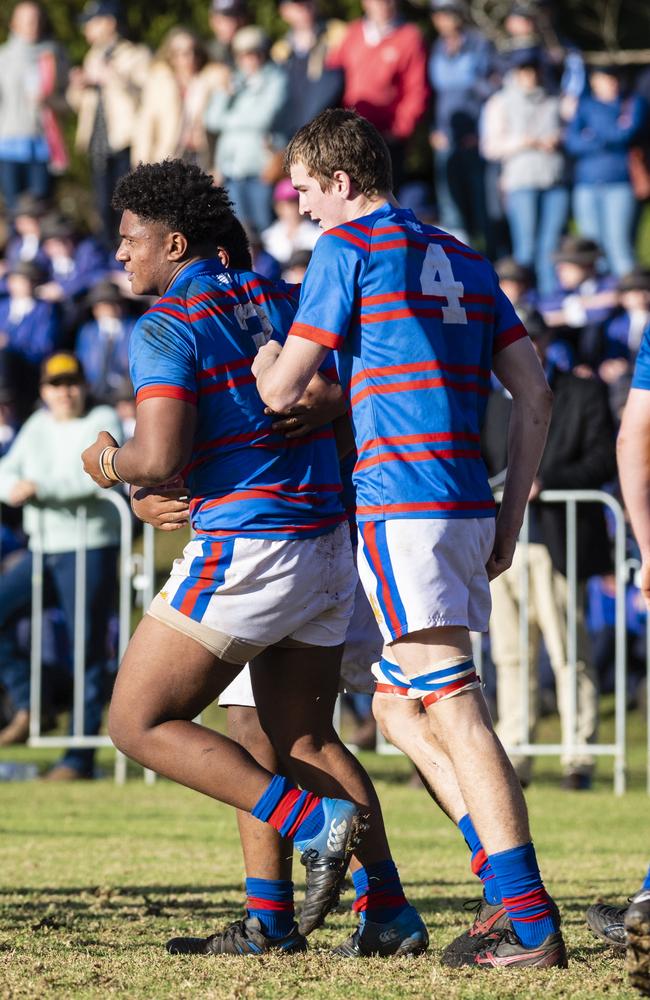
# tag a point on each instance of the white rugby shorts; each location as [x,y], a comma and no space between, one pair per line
[363,646]
[421,573]
[252,592]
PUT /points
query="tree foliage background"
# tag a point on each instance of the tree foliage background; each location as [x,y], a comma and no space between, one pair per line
[589,24]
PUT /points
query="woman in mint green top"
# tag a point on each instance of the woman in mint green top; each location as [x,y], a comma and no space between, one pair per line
[42,473]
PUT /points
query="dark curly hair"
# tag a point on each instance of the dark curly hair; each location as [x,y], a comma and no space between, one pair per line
[234,239]
[181,196]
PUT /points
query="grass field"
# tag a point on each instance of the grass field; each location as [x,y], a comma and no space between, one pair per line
[96,877]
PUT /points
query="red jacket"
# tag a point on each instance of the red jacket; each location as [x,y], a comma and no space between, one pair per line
[386,83]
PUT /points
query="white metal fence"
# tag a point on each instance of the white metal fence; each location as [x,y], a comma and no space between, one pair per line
[572,500]
[137,573]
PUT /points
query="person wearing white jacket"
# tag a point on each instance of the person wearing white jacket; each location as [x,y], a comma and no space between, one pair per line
[521,129]
[42,473]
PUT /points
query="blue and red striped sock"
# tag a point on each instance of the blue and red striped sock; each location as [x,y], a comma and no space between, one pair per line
[526,900]
[646,881]
[380,896]
[271,901]
[292,812]
[480,863]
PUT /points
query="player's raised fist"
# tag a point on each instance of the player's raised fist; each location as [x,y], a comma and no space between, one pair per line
[90,458]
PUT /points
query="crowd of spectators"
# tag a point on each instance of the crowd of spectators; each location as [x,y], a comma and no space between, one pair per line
[512,141]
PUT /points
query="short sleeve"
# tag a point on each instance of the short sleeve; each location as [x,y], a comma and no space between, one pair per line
[162,356]
[508,328]
[329,291]
[641,377]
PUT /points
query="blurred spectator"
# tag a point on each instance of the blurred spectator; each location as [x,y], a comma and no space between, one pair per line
[579,454]
[245,116]
[384,67]
[622,336]
[42,473]
[174,99]
[303,52]
[226,18]
[263,262]
[517,282]
[294,272]
[290,232]
[607,123]
[461,67]
[124,402]
[29,327]
[13,409]
[103,343]
[583,300]
[31,84]
[25,242]
[522,32]
[73,264]
[521,129]
[105,93]
[625,329]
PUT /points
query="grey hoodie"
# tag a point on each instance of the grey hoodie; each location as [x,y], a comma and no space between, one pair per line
[512,116]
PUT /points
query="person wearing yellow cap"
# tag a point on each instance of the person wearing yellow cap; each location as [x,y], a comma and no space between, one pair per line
[42,474]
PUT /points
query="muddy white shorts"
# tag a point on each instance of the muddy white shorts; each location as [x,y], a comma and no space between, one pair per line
[421,573]
[363,646]
[239,595]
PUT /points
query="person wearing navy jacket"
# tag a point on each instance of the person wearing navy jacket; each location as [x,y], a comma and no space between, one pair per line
[606,125]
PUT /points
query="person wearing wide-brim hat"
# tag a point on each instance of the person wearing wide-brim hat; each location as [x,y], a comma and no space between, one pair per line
[25,239]
[103,341]
[74,263]
[624,331]
[29,326]
[578,250]
[517,282]
[105,291]
[585,298]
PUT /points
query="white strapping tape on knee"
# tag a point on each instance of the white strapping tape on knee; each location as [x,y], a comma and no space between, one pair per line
[451,671]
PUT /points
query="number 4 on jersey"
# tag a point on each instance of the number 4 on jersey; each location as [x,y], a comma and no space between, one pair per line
[437,278]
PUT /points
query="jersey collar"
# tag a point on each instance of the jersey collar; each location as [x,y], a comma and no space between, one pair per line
[207,265]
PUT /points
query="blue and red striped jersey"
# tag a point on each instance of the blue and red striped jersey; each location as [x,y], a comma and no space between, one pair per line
[415,317]
[197,343]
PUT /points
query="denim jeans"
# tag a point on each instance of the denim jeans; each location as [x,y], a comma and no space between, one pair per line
[607,213]
[537,219]
[105,175]
[251,198]
[17,177]
[59,581]
[460,193]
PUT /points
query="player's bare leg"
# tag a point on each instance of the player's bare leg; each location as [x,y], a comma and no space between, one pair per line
[405,723]
[464,729]
[488,784]
[267,855]
[269,922]
[304,681]
[167,678]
